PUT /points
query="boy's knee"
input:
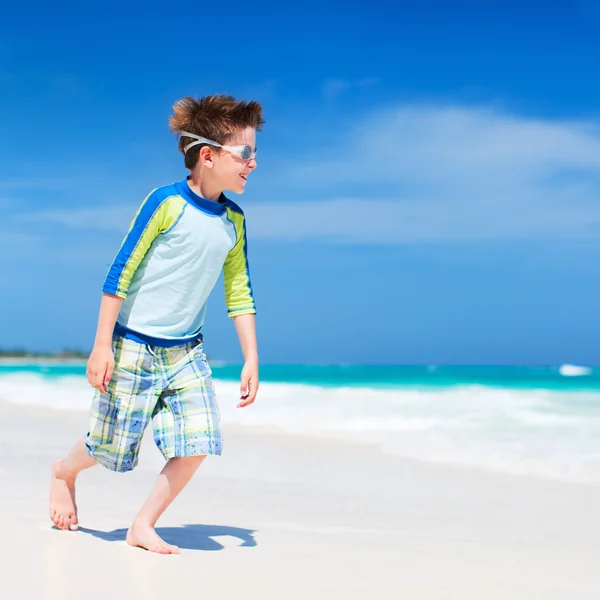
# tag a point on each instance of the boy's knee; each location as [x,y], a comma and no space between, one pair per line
[188,460]
[192,459]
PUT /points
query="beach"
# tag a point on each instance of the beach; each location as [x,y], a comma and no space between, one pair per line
[293,516]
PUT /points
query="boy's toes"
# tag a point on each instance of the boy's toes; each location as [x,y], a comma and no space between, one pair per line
[169,549]
[74,526]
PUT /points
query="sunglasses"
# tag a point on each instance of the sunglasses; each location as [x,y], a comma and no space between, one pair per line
[244,151]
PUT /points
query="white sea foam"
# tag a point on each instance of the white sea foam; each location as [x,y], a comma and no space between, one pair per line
[539,432]
[574,370]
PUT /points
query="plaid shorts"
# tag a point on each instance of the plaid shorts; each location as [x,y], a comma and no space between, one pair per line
[171,386]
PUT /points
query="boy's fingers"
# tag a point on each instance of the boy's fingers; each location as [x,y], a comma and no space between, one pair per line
[250,397]
[108,375]
[98,381]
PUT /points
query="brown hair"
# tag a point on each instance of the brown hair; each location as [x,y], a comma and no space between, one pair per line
[215,117]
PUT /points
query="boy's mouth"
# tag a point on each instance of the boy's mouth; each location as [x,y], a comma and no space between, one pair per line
[244,176]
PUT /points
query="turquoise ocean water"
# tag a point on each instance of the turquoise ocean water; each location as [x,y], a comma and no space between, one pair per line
[535,421]
[564,377]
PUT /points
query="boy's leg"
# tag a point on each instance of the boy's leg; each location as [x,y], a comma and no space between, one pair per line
[172,479]
[117,422]
[186,429]
[63,509]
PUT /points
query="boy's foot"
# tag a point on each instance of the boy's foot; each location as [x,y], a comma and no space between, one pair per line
[144,536]
[63,510]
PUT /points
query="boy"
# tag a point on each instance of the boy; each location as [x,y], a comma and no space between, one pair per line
[148,361]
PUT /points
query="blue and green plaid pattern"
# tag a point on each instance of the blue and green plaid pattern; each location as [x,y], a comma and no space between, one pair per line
[171,386]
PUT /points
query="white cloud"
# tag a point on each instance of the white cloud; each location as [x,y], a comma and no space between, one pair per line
[106,218]
[428,146]
[466,175]
[388,221]
[333,87]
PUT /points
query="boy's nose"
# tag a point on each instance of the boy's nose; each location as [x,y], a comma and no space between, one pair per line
[252,163]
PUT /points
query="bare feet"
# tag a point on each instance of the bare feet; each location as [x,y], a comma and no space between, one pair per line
[144,536]
[63,510]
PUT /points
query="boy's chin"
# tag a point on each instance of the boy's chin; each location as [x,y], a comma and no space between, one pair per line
[237,188]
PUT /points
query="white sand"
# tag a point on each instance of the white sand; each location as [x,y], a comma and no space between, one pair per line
[280,517]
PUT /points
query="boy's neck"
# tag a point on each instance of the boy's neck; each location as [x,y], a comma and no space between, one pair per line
[203,189]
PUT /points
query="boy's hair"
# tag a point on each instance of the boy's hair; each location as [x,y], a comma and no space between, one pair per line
[214,117]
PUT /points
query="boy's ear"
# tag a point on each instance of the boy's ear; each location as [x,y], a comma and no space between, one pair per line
[205,157]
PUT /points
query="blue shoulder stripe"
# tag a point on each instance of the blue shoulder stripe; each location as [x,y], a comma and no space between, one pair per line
[140,222]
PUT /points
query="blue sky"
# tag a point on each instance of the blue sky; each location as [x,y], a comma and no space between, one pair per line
[428,188]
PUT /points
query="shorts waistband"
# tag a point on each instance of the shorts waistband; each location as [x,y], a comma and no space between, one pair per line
[141,338]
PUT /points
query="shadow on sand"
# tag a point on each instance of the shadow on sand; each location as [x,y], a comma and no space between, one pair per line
[189,537]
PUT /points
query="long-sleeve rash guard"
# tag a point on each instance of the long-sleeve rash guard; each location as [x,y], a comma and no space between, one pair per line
[170,260]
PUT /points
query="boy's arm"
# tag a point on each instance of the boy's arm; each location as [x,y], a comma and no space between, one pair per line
[155,215]
[236,272]
[241,308]
[101,362]
[245,326]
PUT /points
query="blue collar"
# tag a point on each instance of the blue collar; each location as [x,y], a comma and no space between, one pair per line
[215,208]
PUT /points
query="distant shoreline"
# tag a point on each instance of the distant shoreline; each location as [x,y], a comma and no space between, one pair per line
[23,361]
[41,360]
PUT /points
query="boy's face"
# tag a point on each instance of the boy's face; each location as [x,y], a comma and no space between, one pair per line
[230,171]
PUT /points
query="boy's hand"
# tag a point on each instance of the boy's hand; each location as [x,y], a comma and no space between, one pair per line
[249,385]
[100,367]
